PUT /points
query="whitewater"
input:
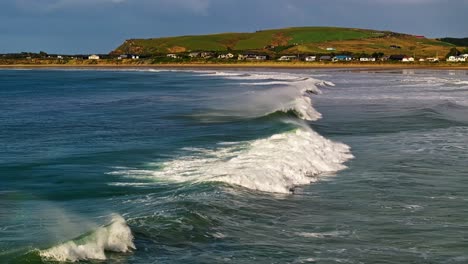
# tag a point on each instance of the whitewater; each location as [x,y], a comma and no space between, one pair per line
[276,164]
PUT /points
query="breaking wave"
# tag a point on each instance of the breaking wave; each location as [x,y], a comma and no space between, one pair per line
[275,164]
[115,237]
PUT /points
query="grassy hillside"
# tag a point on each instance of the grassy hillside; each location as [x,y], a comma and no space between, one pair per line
[456,41]
[292,40]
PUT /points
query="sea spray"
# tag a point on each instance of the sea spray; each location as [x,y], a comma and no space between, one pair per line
[115,237]
[274,164]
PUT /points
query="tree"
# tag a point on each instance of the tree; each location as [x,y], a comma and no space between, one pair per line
[453,52]
[377,55]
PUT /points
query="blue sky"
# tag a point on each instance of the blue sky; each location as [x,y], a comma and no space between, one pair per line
[98,26]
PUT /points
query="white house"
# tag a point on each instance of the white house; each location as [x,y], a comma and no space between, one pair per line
[194,54]
[331,49]
[456,59]
[226,56]
[432,59]
[366,59]
[408,59]
[464,56]
[93,57]
[311,58]
[422,60]
[287,58]
[172,56]
[60,57]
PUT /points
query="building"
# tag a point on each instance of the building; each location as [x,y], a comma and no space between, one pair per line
[397,57]
[325,58]
[226,56]
[206,55]
[432,59]
[456,59]
[342,58]
[310,58]
[194,54]
[128,56]
[93,57]
[252,57]
[287,58]
[172,56]
[407,59]
[331,49]
[365,59]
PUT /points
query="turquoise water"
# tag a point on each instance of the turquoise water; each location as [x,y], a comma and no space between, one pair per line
[151,166]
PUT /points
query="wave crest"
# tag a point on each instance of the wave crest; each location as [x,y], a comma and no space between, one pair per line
[115,237]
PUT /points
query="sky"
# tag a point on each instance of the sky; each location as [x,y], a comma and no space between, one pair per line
[99,26]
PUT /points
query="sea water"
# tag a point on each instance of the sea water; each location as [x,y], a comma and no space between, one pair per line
[233,166]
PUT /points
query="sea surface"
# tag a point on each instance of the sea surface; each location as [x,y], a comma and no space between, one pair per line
[233,166]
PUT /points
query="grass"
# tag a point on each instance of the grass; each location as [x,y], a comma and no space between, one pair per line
[292,40]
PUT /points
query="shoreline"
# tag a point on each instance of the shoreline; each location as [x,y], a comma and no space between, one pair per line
[363,66]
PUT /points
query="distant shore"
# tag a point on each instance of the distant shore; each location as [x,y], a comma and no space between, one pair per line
[275,65]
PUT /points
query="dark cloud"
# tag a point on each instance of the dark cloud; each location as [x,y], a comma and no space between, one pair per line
[87,26]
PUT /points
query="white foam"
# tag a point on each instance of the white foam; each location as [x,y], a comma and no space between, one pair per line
[275,164]
[332,234]
[115,237]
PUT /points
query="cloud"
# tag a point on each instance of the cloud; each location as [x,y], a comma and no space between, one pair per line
[195,6]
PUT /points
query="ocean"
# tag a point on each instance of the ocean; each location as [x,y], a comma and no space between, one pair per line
[233,166]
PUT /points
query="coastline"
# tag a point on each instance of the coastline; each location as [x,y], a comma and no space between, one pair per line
[268,65]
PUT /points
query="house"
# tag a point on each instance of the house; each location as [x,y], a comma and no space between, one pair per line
[464,56]
[252,57]
[226,56]
[366,59]
[432,59]
[397,57]
[456,59]
[172,56]
[325,58]
[310,58]
[194,54]
[331,49]
[422,60]
[128,56]
[342,58]
[407,59]
[287,58]
[60,57]
[93,57]
[206,55]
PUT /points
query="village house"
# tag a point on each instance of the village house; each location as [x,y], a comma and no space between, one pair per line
[397,57]
[331,49]
[206,55]
[194,54]
[226,56]
[325,58]
[342,58]
[128,56]
[252,57]
[407,59]
[93,57]
[432,59]
[366,59]
[172,56]
[287,58]
[456,59]
[310,58]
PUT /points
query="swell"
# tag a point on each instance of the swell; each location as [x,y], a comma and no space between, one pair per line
[273,164]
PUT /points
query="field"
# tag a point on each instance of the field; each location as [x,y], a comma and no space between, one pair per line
[297,40]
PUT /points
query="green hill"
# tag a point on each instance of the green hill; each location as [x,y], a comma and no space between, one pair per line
[291,40]
[456,41]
